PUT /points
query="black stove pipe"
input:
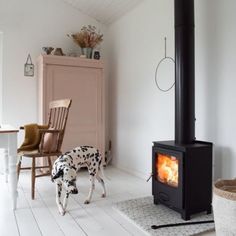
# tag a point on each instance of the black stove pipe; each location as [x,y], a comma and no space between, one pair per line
[184,72]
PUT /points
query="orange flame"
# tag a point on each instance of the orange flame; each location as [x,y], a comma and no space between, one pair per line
[167,169]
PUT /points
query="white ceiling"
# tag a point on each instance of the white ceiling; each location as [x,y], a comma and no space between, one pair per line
[104,11]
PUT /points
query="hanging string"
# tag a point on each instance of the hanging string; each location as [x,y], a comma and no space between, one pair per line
[165,47]
[157,68]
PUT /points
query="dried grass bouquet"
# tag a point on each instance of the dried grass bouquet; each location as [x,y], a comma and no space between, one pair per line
[87,37]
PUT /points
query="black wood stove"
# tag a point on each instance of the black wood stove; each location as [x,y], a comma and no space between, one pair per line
[182,169]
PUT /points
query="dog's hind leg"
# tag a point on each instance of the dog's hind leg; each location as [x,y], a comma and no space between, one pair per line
[92,186]
[65,202]
[58,198]
[100,180]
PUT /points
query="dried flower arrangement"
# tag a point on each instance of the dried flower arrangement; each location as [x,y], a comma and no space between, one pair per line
[87,37]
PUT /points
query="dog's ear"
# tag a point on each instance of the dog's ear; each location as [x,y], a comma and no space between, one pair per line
[58,174]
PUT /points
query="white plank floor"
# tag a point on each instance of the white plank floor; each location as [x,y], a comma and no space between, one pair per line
[40,216]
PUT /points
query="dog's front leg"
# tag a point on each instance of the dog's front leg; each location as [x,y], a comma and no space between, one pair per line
[65,202]
[92,186]
[58,198]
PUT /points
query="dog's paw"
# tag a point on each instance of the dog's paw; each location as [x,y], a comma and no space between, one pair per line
[61,210]
[103,195]
[86,201]
[63,213]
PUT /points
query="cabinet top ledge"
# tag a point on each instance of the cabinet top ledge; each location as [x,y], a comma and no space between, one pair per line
[70,61]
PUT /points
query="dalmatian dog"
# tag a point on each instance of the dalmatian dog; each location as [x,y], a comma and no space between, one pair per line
[66,167]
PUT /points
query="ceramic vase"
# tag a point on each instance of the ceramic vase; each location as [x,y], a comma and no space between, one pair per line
[88,52]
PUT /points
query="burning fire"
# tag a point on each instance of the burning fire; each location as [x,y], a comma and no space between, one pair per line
[167,169]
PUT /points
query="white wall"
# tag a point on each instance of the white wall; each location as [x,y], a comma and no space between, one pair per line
[1,41]
[28,25]
[141,114]
[139,111]
[215,81]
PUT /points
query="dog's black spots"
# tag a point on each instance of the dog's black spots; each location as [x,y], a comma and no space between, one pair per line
[100,162]
[92,155]
[94,164]
[58,174]
[74,150]
[97,157]
[83,156]
[67,169]
[84,149]
[91,174]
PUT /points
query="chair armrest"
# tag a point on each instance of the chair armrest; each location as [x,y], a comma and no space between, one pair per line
[22,127]
[43,131]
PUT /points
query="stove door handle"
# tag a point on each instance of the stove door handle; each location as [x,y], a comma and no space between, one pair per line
[150,176]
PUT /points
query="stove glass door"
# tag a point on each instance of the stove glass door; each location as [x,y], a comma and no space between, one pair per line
[167,169]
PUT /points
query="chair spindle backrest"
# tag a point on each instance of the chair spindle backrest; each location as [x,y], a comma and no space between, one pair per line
[58,114]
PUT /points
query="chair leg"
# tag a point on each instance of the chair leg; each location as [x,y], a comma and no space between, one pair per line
[19,168]
[33,178]
[50,165]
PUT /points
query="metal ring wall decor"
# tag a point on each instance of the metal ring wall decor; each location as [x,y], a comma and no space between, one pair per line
[164,59]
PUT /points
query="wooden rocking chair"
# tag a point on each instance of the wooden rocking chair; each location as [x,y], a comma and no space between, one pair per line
[51,139]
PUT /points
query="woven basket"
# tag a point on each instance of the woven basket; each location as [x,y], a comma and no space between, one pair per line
[224,207]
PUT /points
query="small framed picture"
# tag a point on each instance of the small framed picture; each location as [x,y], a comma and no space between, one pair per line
[29,67]
[29,70]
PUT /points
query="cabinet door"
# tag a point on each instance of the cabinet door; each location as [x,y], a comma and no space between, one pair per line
[84,86]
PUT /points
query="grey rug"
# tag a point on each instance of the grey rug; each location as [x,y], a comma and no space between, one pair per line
[144,214]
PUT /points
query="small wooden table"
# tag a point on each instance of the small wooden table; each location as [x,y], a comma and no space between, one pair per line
[8,143]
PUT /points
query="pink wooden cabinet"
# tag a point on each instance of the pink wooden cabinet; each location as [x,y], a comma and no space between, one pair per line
[82,80]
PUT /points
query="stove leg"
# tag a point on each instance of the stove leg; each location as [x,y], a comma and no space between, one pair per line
[155,201]
[209,210]
[185,216]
